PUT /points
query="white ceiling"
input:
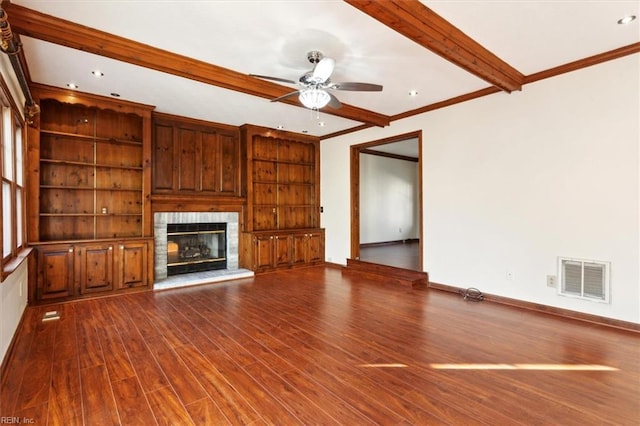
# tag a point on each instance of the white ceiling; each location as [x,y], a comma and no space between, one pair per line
[272,37]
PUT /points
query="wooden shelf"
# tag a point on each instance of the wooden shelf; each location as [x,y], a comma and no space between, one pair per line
[88,214]
[89,188]
[90,158]
[279,161]
[87,164]
[88,155]
[88,138]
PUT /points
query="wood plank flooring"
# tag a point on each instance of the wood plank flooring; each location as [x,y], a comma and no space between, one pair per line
[401,255]
[312,346]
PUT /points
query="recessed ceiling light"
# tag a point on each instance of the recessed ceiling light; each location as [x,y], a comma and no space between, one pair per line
[72,85]
[627,19]
[280,127]
[97,73]
[322,124]
[413,93]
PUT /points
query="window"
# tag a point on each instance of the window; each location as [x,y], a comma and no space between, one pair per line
[584,279]
[12,194]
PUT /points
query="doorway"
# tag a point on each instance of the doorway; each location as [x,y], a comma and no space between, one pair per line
[402,252]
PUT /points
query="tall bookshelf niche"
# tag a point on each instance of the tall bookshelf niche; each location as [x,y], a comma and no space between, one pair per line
[91,173]
[284,184]
[281,179]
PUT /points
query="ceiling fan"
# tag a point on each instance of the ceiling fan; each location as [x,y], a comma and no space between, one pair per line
[314,84]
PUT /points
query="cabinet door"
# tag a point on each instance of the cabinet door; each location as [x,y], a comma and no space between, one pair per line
[55,272]
[188,160]
[283,250]
[308,248]
[229,164]
[95,268]
[315,247]
[209,162]
[220,161]
[299,248]
[263,251]
[132,265]
[163,158]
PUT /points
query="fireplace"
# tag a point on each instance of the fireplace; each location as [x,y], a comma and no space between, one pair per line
[196,247]
[162,219]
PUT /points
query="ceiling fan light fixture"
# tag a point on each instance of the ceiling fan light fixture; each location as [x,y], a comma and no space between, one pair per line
[314,98]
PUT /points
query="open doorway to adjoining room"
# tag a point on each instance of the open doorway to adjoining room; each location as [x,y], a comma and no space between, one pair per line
[386,201]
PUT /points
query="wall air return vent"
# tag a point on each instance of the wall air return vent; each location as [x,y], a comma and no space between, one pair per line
[584,279]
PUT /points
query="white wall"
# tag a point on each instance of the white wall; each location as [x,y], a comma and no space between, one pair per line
[512,181]
[389,209]
[13,301]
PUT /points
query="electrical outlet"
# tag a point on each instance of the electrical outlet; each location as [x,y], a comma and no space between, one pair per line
[509,275]
[551,280]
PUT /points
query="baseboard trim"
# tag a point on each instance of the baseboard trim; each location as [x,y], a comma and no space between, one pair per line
[334,265]
[387,243]
[551,310]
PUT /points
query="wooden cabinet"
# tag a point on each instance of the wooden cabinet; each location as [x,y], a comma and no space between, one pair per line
[195,157]
[133,264]
[89,269]
[95,267]
[90,173]
[269,250]
[55,277]
[90,179]
[281,180]
[308,247]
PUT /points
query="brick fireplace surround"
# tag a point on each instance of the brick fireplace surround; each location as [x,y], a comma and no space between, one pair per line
[161,219]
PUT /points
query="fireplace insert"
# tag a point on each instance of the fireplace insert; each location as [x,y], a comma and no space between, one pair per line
[195,247]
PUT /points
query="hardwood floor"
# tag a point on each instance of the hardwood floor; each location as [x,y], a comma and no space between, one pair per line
[400,255]
[312,346]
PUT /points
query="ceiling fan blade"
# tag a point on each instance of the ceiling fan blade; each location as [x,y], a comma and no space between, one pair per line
[266,77]
[334,102]
[359,87]
[288,95]
[323,69]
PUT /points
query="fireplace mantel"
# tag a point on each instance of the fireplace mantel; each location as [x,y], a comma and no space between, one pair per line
[196,203]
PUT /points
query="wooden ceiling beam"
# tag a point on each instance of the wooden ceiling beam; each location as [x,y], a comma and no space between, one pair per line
[38,25]
[422,25]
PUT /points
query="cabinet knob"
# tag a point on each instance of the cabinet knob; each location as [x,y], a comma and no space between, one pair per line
[110,247]
[71,250]
[121,247]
